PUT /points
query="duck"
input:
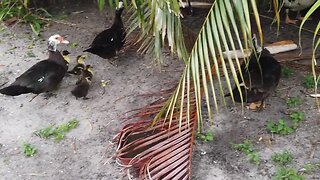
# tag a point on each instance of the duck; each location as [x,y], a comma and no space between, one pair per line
[107,43]
[83,83]
[261,77]
[296,5]
[43,76]
[79,66]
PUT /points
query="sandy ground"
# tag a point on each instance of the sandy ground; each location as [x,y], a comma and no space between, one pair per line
[85,152]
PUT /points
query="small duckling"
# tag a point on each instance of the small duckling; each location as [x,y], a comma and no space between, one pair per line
[66,56]
[80,65]
[84,82]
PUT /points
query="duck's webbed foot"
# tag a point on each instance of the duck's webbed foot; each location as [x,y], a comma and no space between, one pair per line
[257,106]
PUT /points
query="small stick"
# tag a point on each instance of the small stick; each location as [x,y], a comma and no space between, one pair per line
[35,174]
[56,21]
[4,83]
[74,146]
[33,97]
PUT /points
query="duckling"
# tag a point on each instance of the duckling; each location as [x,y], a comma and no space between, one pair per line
[261,77]
[65,55]
[110,41]
[84,82]
[296,5]
[80,65]
[44,76]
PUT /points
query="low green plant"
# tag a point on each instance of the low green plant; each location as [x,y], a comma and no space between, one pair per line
[308,82]
[247,148]
[286,72]
[296,118]
[281,127]
[282,158]
[30,54]
[311,167]
[205,137]
[74,45]
[294,101]
[58,133]
[287,174]
[18,10]
[28,150]
[254,157]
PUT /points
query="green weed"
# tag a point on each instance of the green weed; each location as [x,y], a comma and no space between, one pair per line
[29,150]
[74,45]
[282,158]
[308,82]
[286,72]
[287,174]
[30,54]
[294,101]
[281,127]
[311,167]
[18,10]
[247,148]
[205,137]
[296,118]
[58,133]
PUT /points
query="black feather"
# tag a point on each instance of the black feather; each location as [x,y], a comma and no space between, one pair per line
[108,42]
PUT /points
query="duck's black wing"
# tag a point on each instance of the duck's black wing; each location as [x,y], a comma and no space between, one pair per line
[41,77]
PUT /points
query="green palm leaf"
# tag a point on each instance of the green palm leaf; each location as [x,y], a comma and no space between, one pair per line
[167,140]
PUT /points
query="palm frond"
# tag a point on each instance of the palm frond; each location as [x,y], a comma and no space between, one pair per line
[226,23]
[159,151]
[159,24]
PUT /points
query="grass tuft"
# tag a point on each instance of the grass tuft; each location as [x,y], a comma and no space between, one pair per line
[58,133]
[28,150]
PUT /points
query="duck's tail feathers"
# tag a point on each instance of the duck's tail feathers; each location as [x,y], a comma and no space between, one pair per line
[15,90]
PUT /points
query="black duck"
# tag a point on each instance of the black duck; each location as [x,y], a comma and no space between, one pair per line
[261,77]
[45,75]
[110,41]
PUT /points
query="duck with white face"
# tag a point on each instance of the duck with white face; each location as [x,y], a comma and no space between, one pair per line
[43,76]
[296,5]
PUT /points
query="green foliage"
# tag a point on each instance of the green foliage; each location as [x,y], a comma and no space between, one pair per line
[296,118]
[286,72]
[58,133]
[30,54]
[294,101]
[311,167]
[29,150]
[101,4]
[287,174]
[205,137]
[308,82]
[74,45]
[254,157]
[281,127]
[19,10]
[282,158]
[247,148]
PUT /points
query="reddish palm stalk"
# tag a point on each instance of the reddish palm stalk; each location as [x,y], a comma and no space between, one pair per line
[161,151]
